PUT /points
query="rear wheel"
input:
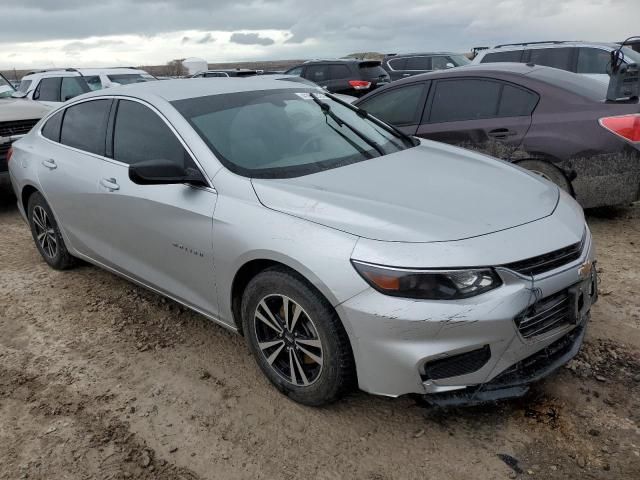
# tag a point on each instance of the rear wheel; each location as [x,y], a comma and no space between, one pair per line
[549,172]
[46,234]
[296,338]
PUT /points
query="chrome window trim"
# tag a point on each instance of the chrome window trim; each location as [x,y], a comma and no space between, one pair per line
[209,186]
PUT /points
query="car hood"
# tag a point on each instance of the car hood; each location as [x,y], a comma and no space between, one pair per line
[430,193]
[12,109]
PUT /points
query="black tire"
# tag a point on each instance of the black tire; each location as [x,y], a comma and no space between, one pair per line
[52,248]
[336,373]
[549,171]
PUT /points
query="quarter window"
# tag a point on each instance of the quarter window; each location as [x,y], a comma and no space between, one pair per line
[552,57]
[399,106]
[24,86]
[295,71]
[84,126]
[141,135]
[93,82]
[51,129]
[397,63]
[516,102]
[593,60]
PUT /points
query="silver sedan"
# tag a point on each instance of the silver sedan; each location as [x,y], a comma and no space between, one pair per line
[344,251]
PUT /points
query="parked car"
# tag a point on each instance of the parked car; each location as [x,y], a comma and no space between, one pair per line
[17,117]
[342,249]
[406,65]
[295,79]
[225,73]
[99,78]
[586,58]
[550,121]
[52,87]
[347,76]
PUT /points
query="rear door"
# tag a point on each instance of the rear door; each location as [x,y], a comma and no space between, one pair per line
[563,58]
[69,171]
[478,113]
[160,235]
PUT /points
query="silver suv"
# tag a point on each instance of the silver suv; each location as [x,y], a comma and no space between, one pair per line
[587,58]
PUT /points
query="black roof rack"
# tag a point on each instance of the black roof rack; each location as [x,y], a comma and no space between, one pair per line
[53,70]
[524,44]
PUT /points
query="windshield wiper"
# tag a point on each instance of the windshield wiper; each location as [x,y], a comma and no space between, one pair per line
[366,115]
[326,109]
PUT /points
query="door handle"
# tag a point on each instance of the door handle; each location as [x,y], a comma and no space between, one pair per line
[110,184]
[501,133]
[50,164]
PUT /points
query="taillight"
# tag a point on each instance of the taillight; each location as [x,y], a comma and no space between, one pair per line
[359,84]
[626,126]
[9,153]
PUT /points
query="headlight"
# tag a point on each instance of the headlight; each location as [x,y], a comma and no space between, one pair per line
[428,284]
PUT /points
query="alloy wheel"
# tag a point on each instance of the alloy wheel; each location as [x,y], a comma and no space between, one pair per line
[45,233]
[288,340]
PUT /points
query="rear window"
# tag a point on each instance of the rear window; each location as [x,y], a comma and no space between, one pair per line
[339,71]
[580,85]
[372,70]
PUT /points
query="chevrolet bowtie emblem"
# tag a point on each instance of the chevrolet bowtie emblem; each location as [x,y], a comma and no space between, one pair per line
[585,269]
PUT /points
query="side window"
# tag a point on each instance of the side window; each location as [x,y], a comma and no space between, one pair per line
[140,135]
[456,100]
[516,102]
[440,63]
[295,71]
[418,63]
[317,73]
[397,63]
[593,60]
[51,129]
[24,86]
[552,57]
[338,71]
[510,56]
[48,90]
[93,82]
[85,126]
[399,106]
[72,87]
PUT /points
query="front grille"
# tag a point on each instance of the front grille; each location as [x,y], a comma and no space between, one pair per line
[545,315]
[548,261]
[455,365]
[16,127]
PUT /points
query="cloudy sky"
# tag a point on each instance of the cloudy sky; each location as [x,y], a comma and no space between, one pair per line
[57,33]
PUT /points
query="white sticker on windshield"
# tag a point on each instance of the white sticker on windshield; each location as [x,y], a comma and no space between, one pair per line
[307,96]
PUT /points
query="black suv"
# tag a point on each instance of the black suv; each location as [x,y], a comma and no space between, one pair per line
[409,64]
[350,77]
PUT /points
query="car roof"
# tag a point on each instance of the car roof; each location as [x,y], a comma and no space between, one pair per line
[549,44]
[401,55]
[480,69]
[51,73]
[181,89]
[110,71]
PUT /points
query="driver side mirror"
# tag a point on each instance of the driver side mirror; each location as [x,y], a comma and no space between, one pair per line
[164,172]
[449,65]
[18,95]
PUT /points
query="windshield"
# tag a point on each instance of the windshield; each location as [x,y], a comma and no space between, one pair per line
[285,133]
[128,78]
[459,60]
[6,89]
[630,55]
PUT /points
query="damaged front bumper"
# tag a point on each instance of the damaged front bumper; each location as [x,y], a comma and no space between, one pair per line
[474,350]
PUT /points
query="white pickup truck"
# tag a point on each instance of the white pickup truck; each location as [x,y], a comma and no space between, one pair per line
[17,117]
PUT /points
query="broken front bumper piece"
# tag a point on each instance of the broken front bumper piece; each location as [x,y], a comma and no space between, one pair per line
[516,381]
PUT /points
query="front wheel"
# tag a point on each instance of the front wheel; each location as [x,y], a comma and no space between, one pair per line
[46,234]
[296,338]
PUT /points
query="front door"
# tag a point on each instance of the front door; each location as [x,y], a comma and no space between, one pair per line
[160,235]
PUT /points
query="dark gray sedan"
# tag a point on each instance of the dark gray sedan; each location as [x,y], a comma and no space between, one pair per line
[550,121]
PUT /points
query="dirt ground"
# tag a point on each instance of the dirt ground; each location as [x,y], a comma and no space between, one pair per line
[102,379]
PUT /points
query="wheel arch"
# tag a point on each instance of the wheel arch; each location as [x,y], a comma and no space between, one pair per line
[25,194]
[252,267]
[555,164]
